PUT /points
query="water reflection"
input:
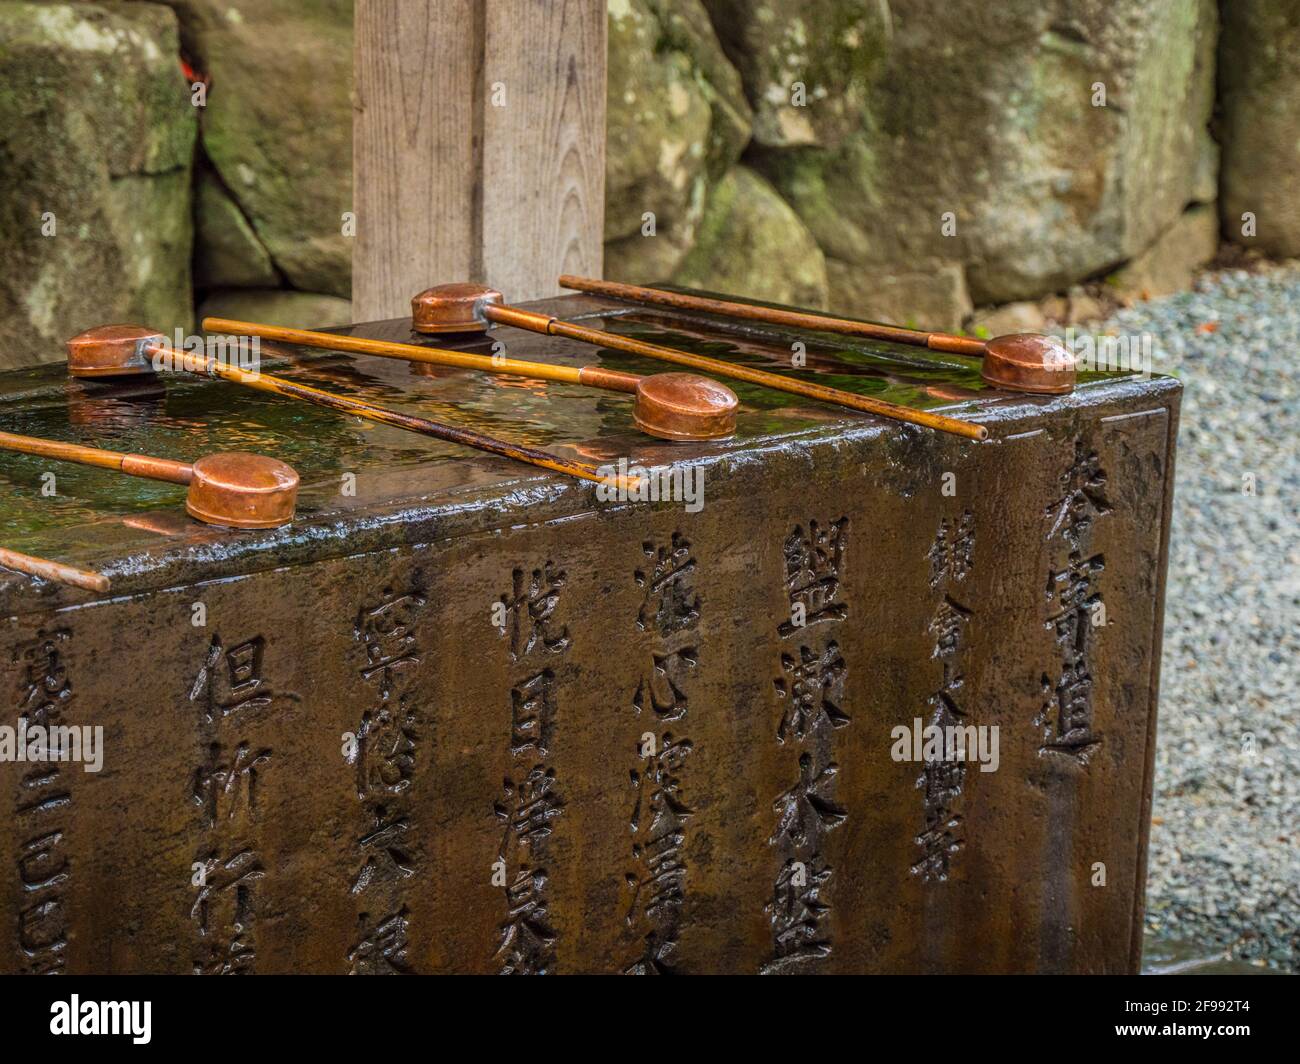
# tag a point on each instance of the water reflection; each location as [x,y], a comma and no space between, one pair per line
[185,417]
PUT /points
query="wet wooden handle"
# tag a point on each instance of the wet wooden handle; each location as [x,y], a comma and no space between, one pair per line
[936,341]
[435,356]
[610,379]
[136,465]
[264,382]
[55,571]
[534,322]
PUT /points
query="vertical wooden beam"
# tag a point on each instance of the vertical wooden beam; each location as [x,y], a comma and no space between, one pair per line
[415,156]
[544,143]
[478,146]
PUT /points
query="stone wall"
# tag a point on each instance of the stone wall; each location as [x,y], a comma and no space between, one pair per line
[126,194]
[96,149]
[906,160]
[275,160]
[1259,123]
[940,153]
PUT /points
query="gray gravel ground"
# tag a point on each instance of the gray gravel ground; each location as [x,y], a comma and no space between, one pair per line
[1225,837]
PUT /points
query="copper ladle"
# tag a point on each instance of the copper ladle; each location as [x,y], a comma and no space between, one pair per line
[236,490]
[460,308]
[1018,362]
[671,406]
[128,350]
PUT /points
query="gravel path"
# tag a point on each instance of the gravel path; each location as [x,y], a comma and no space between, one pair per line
[1225,839]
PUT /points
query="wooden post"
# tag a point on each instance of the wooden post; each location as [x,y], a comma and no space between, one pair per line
[478,147]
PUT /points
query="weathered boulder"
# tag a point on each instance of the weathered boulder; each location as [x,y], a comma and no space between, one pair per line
[1083,306]
[677,120]
[96,142]
[277,127]
[1024,316]
[930,296]
[985,147]
[227,253]
[1259,124]
[751,243]
[685,27]
[1169,264]
[277,306]
[807,67]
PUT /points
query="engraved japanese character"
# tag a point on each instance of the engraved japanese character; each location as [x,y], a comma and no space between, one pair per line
[530,607]
[806,809]
[239,687]
[532,713]
[1082,500]
[938,843]
[381,945]
[814,564]
[42,863]
[812,689]
[663,689]
[44,685]
[43,933]
[228,781]
[226,890]
[235,957]
[389,858]
[528,808]
[664,872]
[797,912]
[387,744]
[1066,716]
[670,603]
[941,781]
[527,938]
[944,701]
[948,627]
[1072,590]
[387,631]
[952,554]
[662,781]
